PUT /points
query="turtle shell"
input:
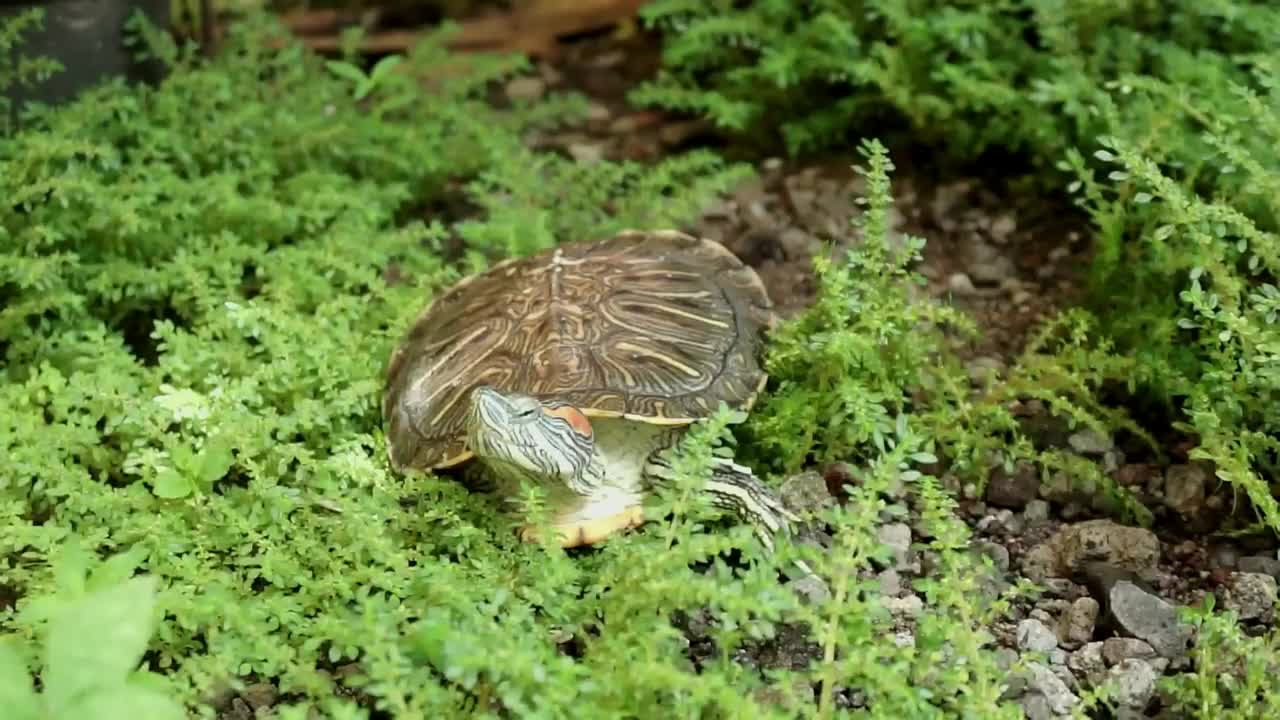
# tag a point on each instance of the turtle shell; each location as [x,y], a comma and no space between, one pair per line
[658,327]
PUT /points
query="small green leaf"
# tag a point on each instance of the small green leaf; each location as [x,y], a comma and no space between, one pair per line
[384,67]
[97,642]
[117,568]
[17,696]
[345,70]
[171,485]
[213,462]
[71,567]
[126,702]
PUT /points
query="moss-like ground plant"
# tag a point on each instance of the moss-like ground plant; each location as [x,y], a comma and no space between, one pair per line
[1160,119]
[201,283]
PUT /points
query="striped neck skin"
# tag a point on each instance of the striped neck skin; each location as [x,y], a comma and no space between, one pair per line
[545,442]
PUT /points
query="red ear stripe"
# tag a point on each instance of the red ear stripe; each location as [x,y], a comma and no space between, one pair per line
[574,417]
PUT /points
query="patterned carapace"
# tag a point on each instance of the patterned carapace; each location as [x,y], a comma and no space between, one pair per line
[659,327]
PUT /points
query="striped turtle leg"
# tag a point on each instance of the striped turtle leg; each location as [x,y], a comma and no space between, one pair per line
[734,488]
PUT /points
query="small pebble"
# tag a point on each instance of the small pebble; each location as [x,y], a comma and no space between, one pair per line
[1185,486]
[1002,227]
[598,113]
[1088,663]
[1013,489]
[261,695]
[1151,618]
[909,606]
[806,493]
[1078,622]
[1035,706]
[961,284]
[1260,564]
[1036,511]
[1034,636]
[1116,650]
[526,88]
[897,536]
[1135,682]
[890,583]
[1049,684]
[1224,555]
[998,553]
[985,369]
[812,589]
[1088,442]
[1251,595]
[587,153]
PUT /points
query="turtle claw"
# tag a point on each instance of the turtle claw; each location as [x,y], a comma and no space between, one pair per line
[590,531]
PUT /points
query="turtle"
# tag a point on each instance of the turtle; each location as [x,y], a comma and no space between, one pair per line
[574,368]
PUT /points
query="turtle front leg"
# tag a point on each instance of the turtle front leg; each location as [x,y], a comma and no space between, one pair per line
[735,488]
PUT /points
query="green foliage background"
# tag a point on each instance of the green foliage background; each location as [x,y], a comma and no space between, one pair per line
[201,284]
[1160,119]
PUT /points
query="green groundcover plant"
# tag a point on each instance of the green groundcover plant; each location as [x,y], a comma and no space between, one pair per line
[1160,118]
[201,282]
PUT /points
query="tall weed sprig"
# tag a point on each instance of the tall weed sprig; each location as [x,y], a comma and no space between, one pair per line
[861,377]
[846,366]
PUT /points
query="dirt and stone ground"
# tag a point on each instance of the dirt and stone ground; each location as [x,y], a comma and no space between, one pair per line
[1108,612]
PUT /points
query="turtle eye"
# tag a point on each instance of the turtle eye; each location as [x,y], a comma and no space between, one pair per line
[527,410]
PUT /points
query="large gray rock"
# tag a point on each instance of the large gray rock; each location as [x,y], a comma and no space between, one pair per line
[1131,548]
[1072,547]
[1148,617]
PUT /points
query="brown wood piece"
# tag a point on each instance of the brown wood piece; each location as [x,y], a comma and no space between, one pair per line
[534,31]
[316,21]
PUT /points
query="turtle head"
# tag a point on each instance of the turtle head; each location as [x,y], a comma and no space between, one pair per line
[540,439]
